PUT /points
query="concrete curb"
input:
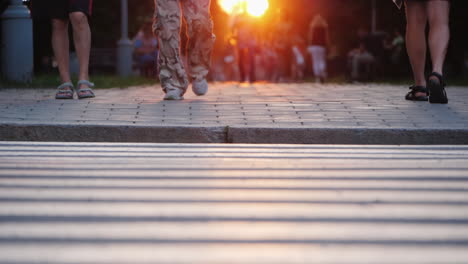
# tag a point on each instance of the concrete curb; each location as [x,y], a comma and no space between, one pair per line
[248,135]
[114,133]
[371,136]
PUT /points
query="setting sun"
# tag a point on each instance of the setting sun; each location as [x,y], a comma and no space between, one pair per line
[252,7]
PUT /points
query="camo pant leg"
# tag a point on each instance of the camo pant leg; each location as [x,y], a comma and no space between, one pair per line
[166,27]
[201,37]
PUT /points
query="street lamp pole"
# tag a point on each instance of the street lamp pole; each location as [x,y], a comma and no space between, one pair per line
[374,16]
[125,47]
[17,61]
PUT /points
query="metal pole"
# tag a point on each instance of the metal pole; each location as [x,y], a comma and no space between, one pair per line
[17,62]
[125,47]
[374,16]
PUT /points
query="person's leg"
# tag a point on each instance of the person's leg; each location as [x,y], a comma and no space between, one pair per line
[201,41]
[354,63]
[252,65]
[315,61]
[241,63]
[439,33]
[322,62]
[416,15]
[172,73]
[60,45]
[367,61]
[82,40]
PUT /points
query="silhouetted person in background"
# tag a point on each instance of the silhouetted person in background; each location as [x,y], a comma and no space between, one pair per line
[146,50]
[318,40]
[282,45]
[246,39]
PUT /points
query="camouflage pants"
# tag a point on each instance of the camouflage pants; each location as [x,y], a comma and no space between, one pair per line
[166,27]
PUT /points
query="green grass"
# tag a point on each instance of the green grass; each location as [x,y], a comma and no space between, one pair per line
[112,81]
[101,81]
[450,82]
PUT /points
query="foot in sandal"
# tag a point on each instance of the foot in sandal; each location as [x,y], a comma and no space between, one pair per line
[417,93]
[65,91]
[436,85]
[84,89]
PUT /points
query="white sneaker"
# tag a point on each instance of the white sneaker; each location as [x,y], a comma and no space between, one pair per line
[200,87]
[173,95]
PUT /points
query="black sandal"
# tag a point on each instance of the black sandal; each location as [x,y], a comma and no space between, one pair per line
[437,94]
[411,96]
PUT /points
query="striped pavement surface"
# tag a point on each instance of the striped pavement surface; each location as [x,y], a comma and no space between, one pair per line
[213,203]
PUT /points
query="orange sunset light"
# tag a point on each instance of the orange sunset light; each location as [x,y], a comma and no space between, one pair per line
[252,7]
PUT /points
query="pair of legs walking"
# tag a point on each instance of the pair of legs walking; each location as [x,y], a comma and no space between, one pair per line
[172,74]
[319,62]
[419,13]
[60,45]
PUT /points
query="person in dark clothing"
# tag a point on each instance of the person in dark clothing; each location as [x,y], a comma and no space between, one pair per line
[318,40]
[360,59]
[61,13]
[245,35]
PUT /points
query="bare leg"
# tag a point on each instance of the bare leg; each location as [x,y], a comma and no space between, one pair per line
[60,45]
[416,13]
[82,39]
[439,34]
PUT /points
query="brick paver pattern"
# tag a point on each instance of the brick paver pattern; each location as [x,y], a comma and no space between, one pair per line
[231,104]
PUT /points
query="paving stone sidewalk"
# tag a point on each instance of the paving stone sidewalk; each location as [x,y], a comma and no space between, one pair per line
[242,113]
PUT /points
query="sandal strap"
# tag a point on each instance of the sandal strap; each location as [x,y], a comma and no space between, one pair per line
[418,89]
[438,76]
[85,90]
[85,82]
[65,85]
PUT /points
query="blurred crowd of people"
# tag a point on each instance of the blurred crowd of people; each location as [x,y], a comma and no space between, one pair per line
[376,53]
[277,56]
[286,55]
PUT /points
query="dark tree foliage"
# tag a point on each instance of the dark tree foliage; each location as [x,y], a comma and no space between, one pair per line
[344,16]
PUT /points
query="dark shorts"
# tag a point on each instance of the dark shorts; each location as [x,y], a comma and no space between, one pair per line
[60,9]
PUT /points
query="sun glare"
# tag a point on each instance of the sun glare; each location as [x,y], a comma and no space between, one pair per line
[252,7]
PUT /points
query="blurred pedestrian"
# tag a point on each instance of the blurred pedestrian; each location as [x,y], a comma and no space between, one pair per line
[360,59]
[282,44]
[418,14]
[269,61]
[229,67]
[167,23]
[61,13]
[298,63]
[360,62]
[246,40]
[146,50]
[318,41]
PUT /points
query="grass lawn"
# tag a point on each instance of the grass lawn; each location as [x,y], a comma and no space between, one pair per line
[112,81]
[101,81]
[341,79]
